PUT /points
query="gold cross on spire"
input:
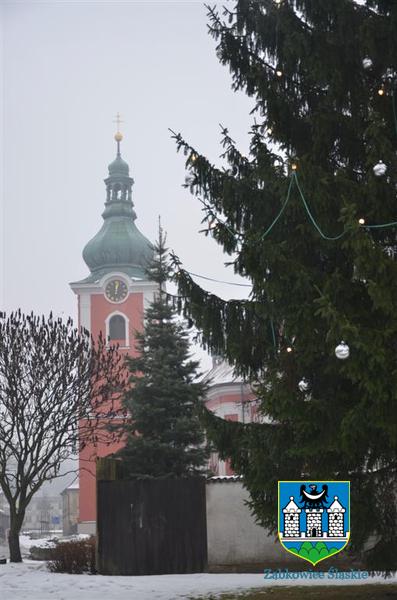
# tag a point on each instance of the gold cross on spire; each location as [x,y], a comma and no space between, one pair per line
[118,136]
[118,120]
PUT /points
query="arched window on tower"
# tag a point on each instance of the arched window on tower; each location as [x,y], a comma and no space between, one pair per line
[117,192]
[118,330]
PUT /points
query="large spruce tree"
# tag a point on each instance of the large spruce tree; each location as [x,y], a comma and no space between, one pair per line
[311,224]
[164,435]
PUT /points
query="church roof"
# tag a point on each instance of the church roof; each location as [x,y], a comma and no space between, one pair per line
[118,245]
[119,167]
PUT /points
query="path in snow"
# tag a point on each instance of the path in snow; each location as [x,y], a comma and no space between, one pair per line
[32,581]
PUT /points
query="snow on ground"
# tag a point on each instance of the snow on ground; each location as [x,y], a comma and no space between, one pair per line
[32,581]
[26,542]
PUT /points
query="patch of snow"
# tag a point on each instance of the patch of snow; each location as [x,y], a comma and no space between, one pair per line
[32,581]
[26,542]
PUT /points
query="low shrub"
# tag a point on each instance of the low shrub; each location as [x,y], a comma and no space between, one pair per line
[76,556]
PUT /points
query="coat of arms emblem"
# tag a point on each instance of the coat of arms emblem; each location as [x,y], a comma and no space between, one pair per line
[314,518]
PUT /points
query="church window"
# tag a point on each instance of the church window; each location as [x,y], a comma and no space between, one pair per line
[117,192]
[117,328]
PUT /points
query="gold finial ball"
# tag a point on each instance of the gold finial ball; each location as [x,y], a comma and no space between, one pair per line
[118,136]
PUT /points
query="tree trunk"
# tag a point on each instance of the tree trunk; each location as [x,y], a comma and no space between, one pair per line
[13,543]
[13,537]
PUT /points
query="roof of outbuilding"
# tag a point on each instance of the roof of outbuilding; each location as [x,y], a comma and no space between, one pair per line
[224,478]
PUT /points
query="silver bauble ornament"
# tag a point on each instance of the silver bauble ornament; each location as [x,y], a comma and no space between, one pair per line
[367,62]
[342,351]
[379,169]
[303,385]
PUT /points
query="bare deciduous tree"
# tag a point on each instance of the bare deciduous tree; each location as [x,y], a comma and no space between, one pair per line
[57,389]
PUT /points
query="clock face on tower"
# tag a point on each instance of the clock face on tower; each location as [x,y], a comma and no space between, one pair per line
[116,290]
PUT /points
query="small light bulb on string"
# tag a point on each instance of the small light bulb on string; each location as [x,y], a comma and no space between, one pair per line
[212,224]
[381,90]
[289,349]
[367,62]
[303,385]
[342,351]
[379,169]
[294,167]
[193,158]
[279,73]
[361,221]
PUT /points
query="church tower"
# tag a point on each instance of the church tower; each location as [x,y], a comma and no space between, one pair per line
[112,299]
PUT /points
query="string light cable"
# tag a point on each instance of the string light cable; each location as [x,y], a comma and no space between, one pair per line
[295,181]
[218,280]
[362,225]
[312,219]
[284,206]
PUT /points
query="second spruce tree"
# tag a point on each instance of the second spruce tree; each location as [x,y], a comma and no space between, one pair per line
[164,436]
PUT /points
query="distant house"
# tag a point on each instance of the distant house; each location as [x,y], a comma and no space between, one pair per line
[43,514]
[230,398]
[70,508]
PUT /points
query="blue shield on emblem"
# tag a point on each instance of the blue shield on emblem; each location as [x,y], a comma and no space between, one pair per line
[314,518]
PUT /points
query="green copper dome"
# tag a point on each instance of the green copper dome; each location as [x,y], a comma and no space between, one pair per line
[118,245]
[119,167]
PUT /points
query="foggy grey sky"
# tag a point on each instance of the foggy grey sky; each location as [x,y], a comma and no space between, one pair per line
[68,67]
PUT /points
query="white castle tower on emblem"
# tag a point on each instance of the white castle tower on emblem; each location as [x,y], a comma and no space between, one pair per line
[291,519]
[335,519]
[314,518]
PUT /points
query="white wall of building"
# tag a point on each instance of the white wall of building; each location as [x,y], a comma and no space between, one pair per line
[233,536]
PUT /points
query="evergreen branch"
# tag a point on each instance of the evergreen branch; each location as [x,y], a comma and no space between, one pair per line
[225,326]
[227,191]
